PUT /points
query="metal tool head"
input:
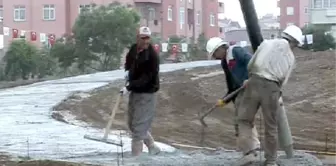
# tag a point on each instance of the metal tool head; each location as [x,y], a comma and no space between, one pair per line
[206,114]
[104,140]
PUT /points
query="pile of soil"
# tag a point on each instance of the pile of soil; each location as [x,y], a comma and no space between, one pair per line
[309,98]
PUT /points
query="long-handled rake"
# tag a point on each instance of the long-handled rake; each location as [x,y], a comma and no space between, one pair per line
[105,138]
[225,100]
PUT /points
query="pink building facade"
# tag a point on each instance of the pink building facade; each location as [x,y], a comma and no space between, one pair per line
[56,17]
[294,12]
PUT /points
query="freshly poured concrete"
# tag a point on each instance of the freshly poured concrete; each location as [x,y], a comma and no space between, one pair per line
[200,158]
[225,159]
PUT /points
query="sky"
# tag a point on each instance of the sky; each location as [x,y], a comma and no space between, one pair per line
[263,7]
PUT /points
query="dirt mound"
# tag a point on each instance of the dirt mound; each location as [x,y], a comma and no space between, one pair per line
[309,98]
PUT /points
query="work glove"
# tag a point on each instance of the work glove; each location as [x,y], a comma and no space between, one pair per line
[126,76]
[123,91]
[220,103]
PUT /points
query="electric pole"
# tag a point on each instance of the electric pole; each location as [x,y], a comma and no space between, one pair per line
[2,51]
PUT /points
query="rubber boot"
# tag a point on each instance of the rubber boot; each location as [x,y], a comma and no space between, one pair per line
[153,149]
[137,147]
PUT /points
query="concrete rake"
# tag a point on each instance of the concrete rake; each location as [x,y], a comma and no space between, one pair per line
[105,138]
[225,100]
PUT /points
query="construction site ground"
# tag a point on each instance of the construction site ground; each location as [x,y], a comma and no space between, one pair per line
[309,98]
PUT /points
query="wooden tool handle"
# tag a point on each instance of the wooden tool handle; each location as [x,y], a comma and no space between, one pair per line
[114,110]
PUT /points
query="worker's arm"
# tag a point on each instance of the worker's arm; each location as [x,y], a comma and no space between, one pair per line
[241,55]
[152,70]
[288,61]
[255,55]
[128,61]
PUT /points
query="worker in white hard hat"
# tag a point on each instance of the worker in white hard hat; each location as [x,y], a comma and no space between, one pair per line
[142,75]
[234,60]
[269,70]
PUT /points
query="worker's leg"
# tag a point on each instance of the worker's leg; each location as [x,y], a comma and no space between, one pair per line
[284,132]
[247,110]
[254,129]
[142,118]
[133,103]
[150,143]
[131,109]
[270,108]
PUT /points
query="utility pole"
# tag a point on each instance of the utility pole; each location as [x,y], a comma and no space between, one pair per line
[2,50]
[147,15]
[161,20]
[194,22]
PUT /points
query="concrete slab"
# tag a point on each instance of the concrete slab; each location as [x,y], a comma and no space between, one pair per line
[219,158]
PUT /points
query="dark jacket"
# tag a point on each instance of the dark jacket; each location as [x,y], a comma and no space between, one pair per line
[236,71]
[143,70]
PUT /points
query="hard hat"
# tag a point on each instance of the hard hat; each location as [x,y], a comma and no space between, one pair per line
[295,32]
[213,44]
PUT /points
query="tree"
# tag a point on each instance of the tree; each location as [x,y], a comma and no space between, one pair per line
[65,52]
[322,39]
[201,42]
[19,60]
[44,64]
[99,38]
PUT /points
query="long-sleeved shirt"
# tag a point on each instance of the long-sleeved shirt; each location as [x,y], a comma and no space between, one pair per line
[143,67]
[235,67]
[273,60]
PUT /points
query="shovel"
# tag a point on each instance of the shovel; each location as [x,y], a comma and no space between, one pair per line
[225,100]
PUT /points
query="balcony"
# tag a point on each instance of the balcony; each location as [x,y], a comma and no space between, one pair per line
[323,16]
[147,1]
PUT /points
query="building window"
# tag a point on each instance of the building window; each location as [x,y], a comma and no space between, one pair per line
[49,12]
[326,3]
[290,11]
[151,13]
[332,3]
[82,8]
[220,4]
[170,13]
[198,18]
[19,13]
[212,20]
[182,17]
[317,3]
[1,12]
[290,23]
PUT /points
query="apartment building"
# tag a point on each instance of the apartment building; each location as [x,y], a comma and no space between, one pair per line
[56,17]
[323,12]
[269,21]
[294,12]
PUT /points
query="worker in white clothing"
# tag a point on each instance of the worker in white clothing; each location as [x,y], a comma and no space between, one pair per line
[269,69]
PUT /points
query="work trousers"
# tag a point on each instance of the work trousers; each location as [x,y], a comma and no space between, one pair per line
[141,112]
[255,138]
[259,92]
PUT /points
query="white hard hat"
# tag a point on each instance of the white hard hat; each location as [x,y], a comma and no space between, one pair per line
[295,32]
[145,31]
[213,43]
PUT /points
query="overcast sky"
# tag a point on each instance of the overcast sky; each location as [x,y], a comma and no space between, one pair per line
[232,9]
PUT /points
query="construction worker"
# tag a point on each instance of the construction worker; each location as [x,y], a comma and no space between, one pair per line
[142,73]
[234,60]
[269,69]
